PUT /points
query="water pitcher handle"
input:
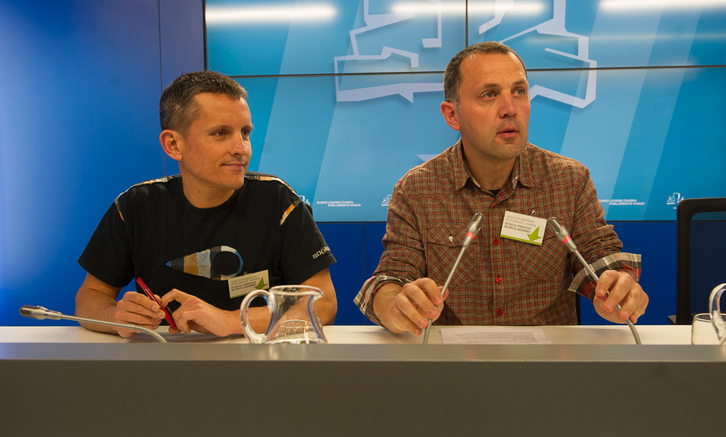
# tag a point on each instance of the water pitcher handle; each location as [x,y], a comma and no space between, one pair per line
[253,336]
[714,307]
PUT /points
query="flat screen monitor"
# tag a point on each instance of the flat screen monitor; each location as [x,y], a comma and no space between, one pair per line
[345,94]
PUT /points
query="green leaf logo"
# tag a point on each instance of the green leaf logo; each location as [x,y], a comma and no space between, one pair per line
[534,236]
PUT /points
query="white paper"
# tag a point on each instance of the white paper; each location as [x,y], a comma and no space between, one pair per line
[493,335]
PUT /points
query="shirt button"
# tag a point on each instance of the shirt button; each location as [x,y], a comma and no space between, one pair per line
[496,241]
[500,312]
[499,280]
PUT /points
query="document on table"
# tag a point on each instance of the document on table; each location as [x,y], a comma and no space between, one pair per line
[193,337]
[493,335]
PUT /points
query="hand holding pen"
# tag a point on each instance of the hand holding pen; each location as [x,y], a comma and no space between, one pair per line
[151,296]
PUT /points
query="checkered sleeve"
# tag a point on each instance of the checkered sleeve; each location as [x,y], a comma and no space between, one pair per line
[625,262]
[597,241]
[403,255]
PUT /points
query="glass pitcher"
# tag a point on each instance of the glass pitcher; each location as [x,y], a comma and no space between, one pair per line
[293,317]
[714,307]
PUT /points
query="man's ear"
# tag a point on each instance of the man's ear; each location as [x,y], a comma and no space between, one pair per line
[448,110]
[170,142]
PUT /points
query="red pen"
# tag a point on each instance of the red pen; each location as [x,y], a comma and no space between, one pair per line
[148,292]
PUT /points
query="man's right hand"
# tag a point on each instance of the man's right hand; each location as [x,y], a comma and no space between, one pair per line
[97,300]
[137,309]
[408,308]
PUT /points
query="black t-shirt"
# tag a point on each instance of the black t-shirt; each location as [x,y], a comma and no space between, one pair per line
[151,231]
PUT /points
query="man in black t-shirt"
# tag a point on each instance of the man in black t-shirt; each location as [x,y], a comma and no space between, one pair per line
[208,236]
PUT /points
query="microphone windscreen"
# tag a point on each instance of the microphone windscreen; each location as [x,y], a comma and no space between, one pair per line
[561,233]
[27,310]
[475,224]
[557,227]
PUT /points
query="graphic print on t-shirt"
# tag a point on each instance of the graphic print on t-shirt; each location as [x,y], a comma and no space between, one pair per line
[219,263]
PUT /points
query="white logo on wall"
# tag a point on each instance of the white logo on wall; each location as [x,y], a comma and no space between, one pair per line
[386,200]
[305,200]
[556,26]
[622,202]
[338,203]
[674,199]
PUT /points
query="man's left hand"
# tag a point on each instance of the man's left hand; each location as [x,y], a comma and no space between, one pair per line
[623,290]
[195,314]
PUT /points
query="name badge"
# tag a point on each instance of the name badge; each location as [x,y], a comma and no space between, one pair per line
[242,285]
[525,228]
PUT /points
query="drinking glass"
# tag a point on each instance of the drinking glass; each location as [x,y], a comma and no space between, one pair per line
[702,330]
[714,305]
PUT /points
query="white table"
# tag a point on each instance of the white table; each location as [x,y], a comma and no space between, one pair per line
[592,380]
[342,334]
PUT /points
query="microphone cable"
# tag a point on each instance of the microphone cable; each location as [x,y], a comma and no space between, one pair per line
[41,313]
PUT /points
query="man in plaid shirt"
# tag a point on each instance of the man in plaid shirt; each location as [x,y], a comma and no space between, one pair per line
[492,169]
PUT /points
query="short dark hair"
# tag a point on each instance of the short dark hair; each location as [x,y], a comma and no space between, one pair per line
[452,75]
[177,109]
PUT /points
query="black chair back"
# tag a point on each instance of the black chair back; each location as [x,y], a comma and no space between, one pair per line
[701,254]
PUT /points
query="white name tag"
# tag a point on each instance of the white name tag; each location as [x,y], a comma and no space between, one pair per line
[525,228]
[242,285]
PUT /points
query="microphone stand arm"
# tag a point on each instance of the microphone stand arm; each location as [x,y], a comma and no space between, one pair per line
[40,313]
[156,335]
[591,272]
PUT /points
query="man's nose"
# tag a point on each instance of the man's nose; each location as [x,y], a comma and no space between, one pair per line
[241,145]
[507,105]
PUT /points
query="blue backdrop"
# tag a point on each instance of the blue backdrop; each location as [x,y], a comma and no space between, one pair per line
[80,82]
[357,86]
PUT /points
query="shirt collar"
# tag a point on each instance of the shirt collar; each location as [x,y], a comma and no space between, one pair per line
[462,173]
[524,168]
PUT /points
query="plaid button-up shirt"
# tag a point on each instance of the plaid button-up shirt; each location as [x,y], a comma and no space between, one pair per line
[499,281]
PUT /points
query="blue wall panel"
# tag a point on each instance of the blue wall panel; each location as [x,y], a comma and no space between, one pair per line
[181,27]
[346,243]
[79,90]
[656,242]
[79,85]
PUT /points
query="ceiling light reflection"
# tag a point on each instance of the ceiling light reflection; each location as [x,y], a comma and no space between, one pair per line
[630,5]
[268,14]
[423,7]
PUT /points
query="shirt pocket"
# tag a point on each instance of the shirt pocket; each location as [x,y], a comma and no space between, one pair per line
[545,262]
[443,244]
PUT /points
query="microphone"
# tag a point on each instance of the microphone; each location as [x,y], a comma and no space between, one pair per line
[37,312]
[562,233]
[472,231]
[41,313]
[566,239]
